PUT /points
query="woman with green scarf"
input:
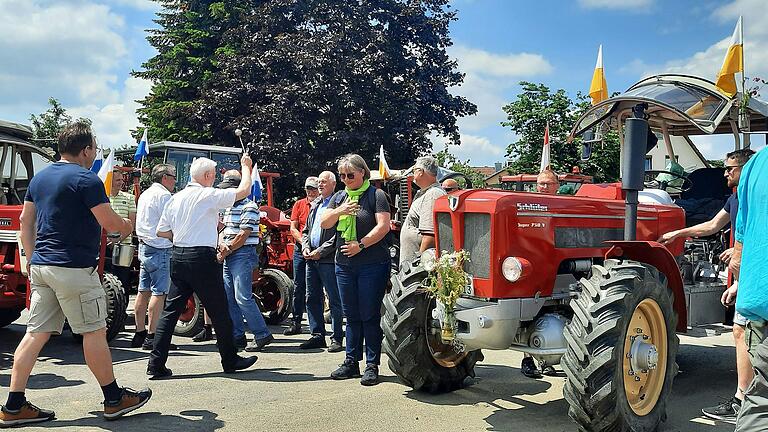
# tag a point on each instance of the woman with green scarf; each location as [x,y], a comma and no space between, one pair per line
[361,216]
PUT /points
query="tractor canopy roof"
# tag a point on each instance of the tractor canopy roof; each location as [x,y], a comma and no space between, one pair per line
[14,133]
[683,104]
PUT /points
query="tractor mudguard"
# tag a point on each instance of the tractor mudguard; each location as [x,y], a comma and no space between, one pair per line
[657,255]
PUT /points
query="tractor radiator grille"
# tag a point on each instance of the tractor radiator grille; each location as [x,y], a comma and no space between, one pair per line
[445,232]
[477,241]
[8,236]
[403,205]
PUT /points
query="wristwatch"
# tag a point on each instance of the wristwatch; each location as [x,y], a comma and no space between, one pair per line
[362,246]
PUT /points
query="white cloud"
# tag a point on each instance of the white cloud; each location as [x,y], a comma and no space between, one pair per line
[147,5]
[479,150]
[633,5]
[477,61]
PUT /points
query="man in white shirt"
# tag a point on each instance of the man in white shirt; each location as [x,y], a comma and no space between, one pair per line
[190,220]
[154,254]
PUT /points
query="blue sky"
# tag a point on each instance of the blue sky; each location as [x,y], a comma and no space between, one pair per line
[82,51]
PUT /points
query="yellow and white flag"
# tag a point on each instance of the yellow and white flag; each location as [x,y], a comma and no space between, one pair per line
[598,90]
[733,63]
[105,173]
[383,166]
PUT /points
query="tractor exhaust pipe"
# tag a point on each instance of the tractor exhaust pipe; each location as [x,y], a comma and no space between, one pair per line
[633,166]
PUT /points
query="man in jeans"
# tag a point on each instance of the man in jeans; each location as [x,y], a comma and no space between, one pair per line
[299,215]
[239,251]
[189,220]
[749,254]
[318,247]
[64,210]
[154,255]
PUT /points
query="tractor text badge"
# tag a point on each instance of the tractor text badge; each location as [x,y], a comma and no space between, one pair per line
[5,222]
[453,202]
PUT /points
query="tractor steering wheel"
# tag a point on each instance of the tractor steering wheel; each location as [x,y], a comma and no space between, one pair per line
[677,185]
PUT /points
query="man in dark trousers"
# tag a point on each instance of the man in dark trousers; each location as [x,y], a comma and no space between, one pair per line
[64,210]
[190,220]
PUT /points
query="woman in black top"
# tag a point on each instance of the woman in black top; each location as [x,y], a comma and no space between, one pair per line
[361,216]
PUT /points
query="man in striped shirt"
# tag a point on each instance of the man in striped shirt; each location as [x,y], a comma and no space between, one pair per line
[124,204]
[239,249]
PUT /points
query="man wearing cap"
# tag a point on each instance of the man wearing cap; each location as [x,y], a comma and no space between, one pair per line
[299,215]
[418,231]
[238,248]
[189,220]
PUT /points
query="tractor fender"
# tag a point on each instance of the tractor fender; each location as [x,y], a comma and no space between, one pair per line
[657,255]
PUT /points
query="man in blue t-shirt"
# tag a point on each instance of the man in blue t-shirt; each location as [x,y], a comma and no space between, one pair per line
[64,209]
[748,265]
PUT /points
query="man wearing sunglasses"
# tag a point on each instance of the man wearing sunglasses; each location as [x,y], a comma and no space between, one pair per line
[449,185]
[729,409]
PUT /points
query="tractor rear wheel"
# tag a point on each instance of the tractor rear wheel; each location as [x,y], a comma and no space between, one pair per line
[620,361]
[417,354]
[116,305]
[8,316]
[273,291]
[192,319]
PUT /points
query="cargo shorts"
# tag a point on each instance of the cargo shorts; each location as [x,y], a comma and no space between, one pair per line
[59,293]
[753,415]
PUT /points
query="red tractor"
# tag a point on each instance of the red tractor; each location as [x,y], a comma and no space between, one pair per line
[527,182]
[579,280]
[21,159]
[272,282]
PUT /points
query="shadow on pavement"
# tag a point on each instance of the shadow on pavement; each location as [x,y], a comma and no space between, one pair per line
[202,420]
[255,374]
[43,381]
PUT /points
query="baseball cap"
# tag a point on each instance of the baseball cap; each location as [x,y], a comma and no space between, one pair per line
[229,181]
[311,182]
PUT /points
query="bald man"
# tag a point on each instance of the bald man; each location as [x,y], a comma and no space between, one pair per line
[547,182]
[449,185]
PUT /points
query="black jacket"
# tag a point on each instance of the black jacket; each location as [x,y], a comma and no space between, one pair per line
[327,246]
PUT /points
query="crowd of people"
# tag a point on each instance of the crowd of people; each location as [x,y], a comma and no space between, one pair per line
[206,240]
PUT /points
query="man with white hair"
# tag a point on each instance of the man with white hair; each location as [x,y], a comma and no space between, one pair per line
[190,220]
[418,231]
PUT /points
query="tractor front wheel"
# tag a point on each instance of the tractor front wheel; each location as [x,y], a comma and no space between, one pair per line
[622,345]
[273,291]
[412,338]
[116,305]
[192,319]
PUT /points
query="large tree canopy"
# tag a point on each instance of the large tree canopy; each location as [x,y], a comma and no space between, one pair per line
[527,117]
[306,80]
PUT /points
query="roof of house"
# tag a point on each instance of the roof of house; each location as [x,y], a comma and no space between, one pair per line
[485,171]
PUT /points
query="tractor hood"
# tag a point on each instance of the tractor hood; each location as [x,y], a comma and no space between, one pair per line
[688,105]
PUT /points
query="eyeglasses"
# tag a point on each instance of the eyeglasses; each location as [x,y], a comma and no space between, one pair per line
[548,184]
[171,175]
[450,189]
[729,168]
[310,188]
[350,176]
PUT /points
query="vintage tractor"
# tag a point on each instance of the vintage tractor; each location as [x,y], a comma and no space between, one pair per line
[579,280]
[272,286]
[21,159]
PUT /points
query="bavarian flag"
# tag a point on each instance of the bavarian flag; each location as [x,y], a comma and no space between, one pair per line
[383,166]
[733,63]
[143,147]
[105,172]
[598,90]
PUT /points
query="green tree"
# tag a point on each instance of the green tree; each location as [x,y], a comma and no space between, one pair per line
[446,159]
[527,117]
[47,126]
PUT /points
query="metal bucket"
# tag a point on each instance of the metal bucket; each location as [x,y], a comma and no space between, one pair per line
[122,255]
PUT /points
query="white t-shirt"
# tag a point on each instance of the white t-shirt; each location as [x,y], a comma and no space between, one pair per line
[148,212]
[193,214]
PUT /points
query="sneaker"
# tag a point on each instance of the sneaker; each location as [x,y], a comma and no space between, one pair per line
[156,373]
[139,339]
[259,344]
[370,375]
[726,411]
[528,368]
[241,363]
[316,341]
[346,370]
[130,401]
[205,334]
[28,413]
[548,370]
[335,346]
[241,343]
[293,329]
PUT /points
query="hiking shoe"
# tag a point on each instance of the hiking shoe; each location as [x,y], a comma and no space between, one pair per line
[139,339]
[156,373]
[529,369]
[316,341]
[130,401]
[726,411]
[346,370]
[241,363]
[28,413]
[370,375]
[205,334]
[259,344]
[335,346]
[293,329]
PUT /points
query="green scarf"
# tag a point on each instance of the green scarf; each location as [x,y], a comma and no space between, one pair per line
[348,223]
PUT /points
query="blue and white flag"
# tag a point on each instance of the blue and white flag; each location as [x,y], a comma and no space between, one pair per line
[98,161]
[255,195]
[143,148]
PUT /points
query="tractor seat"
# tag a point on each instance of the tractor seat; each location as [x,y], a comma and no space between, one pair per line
[654,196]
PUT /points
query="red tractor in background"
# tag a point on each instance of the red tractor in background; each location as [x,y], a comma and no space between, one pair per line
[19,162]
[579,280]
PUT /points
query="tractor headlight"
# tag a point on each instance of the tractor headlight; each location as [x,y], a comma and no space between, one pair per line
[512,268]
[429,259]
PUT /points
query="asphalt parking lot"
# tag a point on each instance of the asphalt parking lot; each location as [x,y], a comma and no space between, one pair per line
[289,390]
